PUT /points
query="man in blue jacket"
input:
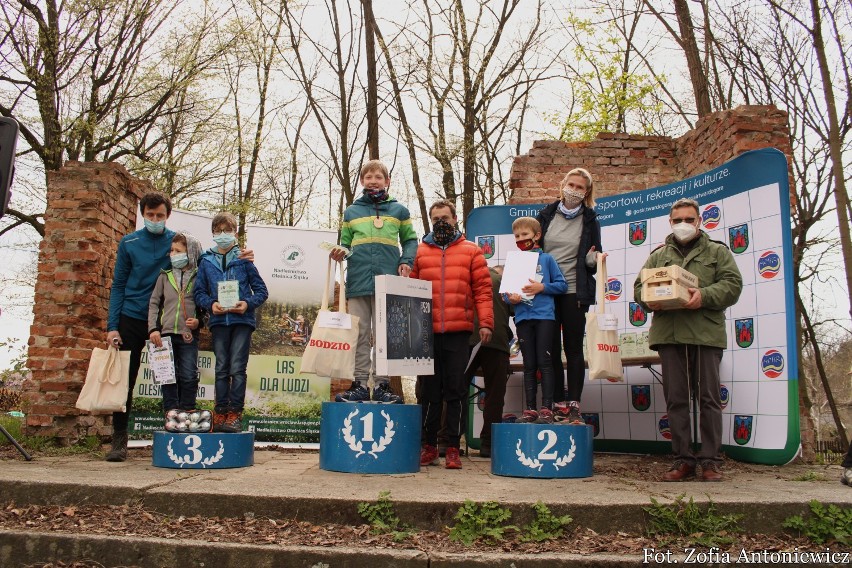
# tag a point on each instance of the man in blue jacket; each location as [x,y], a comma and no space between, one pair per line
[141,256]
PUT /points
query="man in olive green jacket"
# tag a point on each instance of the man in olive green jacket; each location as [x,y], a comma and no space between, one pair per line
[690,340]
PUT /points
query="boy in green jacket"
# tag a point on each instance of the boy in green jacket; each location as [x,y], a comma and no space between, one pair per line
[373,228]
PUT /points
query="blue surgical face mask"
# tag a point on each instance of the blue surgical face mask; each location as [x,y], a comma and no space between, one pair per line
[224,240]
[157,228]
[179,260]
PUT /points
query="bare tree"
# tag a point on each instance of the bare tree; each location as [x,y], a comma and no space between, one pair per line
[94,74]
[335,105]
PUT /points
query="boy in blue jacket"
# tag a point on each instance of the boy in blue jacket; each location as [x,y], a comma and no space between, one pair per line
[231,326]
[535,320]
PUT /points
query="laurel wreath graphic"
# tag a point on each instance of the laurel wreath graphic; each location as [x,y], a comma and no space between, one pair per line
[354,445]
[531,463]
[566,459]
[181,460]
[385,440]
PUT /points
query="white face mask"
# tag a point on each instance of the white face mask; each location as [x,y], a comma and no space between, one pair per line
[684,232]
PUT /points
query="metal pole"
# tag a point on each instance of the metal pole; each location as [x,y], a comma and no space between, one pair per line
[15,443]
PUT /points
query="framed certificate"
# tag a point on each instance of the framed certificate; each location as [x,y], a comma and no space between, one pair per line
[228,293]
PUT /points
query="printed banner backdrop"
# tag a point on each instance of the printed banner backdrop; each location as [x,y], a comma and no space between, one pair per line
[744,203]
[282,405]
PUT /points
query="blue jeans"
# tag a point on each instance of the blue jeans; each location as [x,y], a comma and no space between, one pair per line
[231,344]
[181,395]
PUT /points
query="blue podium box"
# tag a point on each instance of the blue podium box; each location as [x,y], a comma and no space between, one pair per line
[203,451]
[542,450]
[370,437]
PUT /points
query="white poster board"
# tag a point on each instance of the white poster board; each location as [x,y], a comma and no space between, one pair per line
[404,339]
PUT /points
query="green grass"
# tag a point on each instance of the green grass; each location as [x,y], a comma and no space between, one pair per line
[45,445]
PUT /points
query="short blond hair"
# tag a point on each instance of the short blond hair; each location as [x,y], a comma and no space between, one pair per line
[589,199]
[530,223]
[372,166]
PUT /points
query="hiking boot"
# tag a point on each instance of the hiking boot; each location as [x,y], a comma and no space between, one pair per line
[574,416]
[452,461]
[485,451]
[383,393]
[528,417]
[710,471]
[355,393]
[118,453]
[233,423]
[545,416]
[509,418]
[428,455]
[219,420]
[680,471]
[846,477]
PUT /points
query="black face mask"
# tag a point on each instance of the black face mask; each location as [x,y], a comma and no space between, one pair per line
[443,232]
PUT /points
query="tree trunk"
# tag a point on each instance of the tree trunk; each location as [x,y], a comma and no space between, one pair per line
[693,58]
[841,197]
[372,81]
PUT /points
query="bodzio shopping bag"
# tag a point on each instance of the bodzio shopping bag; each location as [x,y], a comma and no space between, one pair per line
[107,381]
[603,353]
[331,349]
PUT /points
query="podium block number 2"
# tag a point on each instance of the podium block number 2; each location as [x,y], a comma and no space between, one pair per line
[551,441]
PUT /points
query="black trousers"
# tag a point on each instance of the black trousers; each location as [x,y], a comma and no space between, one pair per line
[571,316]
[847,460]
[134,334]
[495,373]
[448,385]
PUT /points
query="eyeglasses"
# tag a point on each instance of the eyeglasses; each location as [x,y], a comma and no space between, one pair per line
[689,220]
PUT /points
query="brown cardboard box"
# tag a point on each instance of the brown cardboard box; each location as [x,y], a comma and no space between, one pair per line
[666,294]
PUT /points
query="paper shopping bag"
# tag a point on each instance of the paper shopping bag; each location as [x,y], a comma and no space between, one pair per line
[331,349]
[107,381]
[602,347]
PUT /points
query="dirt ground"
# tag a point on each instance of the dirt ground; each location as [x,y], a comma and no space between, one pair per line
[137,521]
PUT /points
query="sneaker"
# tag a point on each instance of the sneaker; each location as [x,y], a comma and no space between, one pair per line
[428,455]
[528,417]
[355,393]
[574,416]
[382,393]
[219,421]
[233,423]
[545,416]
[560,412]
[509,418]
[846,478]
[452,461]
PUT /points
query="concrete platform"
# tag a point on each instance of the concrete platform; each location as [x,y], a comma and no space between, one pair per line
[289,485]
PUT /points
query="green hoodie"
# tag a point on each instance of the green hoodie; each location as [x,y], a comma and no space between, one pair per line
[719,281]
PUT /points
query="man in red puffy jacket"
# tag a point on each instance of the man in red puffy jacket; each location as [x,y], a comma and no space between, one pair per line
[460,283]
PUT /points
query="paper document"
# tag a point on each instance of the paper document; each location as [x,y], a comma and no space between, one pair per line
[520,268]
[161,361]
[473,353]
